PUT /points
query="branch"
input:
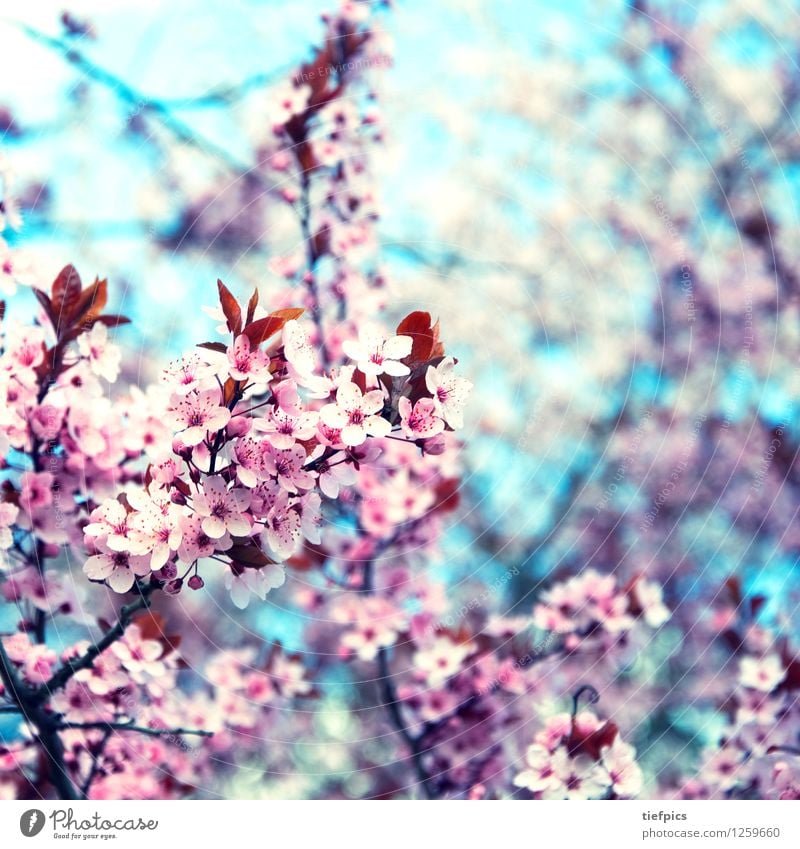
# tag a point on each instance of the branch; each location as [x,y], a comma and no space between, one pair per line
[139,101]
[44,729]
[129,726]
[60,678]
[391,702]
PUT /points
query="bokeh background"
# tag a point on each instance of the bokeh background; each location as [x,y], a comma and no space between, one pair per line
[599,200]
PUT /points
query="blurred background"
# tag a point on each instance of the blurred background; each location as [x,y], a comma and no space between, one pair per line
[599,200]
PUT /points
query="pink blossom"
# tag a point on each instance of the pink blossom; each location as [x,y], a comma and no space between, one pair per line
[36,490]
[189,374]
[762,674]
[104,358]
[619,759]
[197,543]
[223,510]
[257,582]
[282,533]
[441,660]
[376,354]
[354,414]
[449,391]
[196,414]
[287,466]
[248,363]
[118,568]
[421,422]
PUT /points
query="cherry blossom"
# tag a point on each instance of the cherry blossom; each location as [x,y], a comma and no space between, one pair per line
[375,354]
[450,392]
[197,413]
[419,421]
[354,414]
[222,510]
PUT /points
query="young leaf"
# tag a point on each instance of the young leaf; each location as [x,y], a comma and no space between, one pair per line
[219,347]
[425,337]
[251,306]
[66,293]
[91,302]
[258,331]
[230,308]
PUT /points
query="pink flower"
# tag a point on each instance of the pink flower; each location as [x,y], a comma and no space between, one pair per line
[449,392]
[155,530]
[284,429]
[109,525]
[198,413]
[287,466]
[619,759]
[257,582]
[8,515]
[139,657]
[442,659]
[104,358]
[540,775]
[282,533]
[248,363]
[375,354]
[223,510]
[762,674]
[289,675]
[301,361]
[334,473]
[118,568]
[421,422]
[354,414]
[187,374]
[36,490]
[104,676]
[196,543]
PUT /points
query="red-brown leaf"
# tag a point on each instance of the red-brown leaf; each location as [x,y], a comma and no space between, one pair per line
[66,293]
[249,555]
[92,301]
[424,336]
[251,306]
[230,308]
[219,347]
[112,320]
[259,331]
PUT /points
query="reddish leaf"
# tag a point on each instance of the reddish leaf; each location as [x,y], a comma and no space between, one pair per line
[259,331]
[66,293]
[219,347]
[47,305]
[446,495]
[228,391]
[92,301]
[417,325]
[230,308]
[111,320]
[734,586]
[591,744]
[251,306]
[249,555]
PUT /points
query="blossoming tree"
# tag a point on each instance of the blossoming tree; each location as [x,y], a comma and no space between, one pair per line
[304,468]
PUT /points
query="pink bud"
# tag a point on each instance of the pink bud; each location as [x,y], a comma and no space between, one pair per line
[174,587]
[196,583]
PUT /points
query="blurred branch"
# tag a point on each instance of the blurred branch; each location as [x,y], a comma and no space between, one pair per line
[139,729]
[140,102]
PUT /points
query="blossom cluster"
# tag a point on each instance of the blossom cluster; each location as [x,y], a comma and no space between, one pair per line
[258,438]
[580,757]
